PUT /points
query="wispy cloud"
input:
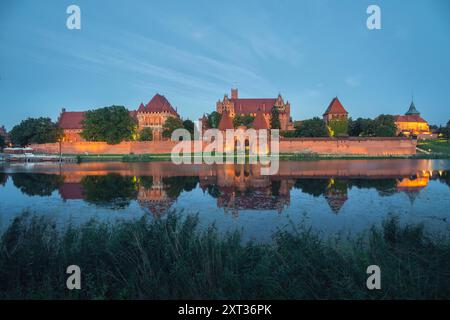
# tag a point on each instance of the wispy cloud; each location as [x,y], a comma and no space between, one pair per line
[353,81]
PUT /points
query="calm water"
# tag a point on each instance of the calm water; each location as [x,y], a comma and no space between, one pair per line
[331,196]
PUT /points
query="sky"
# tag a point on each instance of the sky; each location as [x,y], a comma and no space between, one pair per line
[194,51]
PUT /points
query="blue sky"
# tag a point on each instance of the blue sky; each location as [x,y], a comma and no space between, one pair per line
[194,51]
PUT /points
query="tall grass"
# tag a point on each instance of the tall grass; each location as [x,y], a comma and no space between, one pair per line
[173,259]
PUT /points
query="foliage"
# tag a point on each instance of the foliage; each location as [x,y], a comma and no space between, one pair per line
[243,120]
[146,134]
[170,125]
[275,119]
[338,127]
[172,258]
[189,126]
[111,190]
[2,142]
[288,134]
[314,127]
[35,184]
[214,119]
[381,126]
[35,130]
[444,132]
[360,127]
[111,124]
[384,126]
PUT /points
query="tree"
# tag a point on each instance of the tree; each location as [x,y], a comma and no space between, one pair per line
[214,119]
[2,142]
[170,125]
[360,127]
[445,131]
[35,130]
[314,127]
[111,124]
[275,119]
[384,126]
[245,120]
[189,126]
[338,127]
[146,134]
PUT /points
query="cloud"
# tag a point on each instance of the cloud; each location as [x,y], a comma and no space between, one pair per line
[353,81]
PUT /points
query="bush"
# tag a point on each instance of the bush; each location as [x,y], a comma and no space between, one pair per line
[146,134]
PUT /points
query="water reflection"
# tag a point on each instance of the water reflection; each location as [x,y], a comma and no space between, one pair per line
[34,184]
[156,186]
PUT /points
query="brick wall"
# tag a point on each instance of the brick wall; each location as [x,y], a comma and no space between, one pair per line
[363,146]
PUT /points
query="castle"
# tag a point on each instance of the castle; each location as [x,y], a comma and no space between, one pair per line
[152,115]
[259,108]
[155,113]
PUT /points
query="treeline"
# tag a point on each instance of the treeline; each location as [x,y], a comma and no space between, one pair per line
[381,126]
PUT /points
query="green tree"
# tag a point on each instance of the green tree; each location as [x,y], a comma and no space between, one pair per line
[146,134]
[35,130]
[275,119]
[245,120]
[189,126]
[384,126]
[214,119]
[445,131]
[170,125]
[314,127]
[338,127]
[360,127]
[111,124]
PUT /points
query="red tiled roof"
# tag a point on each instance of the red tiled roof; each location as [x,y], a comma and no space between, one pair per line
[260,122]
[71,120]
[252,105]
[225,122]
[409,118]
[158,103]
[335,107]
[74,119]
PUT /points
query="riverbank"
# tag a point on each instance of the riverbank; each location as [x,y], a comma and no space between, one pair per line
[282,156]
[173,258]
[438,147]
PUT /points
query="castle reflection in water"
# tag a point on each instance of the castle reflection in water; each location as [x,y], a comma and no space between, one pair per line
[156,186]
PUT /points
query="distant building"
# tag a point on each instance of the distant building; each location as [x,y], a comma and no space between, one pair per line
[335,111]
[411,123]
[251,106]
[71,124]
[152,115]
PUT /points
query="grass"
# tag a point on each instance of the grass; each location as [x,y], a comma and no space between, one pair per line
[438,147]
[173,259]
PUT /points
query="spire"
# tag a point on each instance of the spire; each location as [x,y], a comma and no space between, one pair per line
[412,110]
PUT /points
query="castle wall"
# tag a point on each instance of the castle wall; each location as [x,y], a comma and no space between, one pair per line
[345,146]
